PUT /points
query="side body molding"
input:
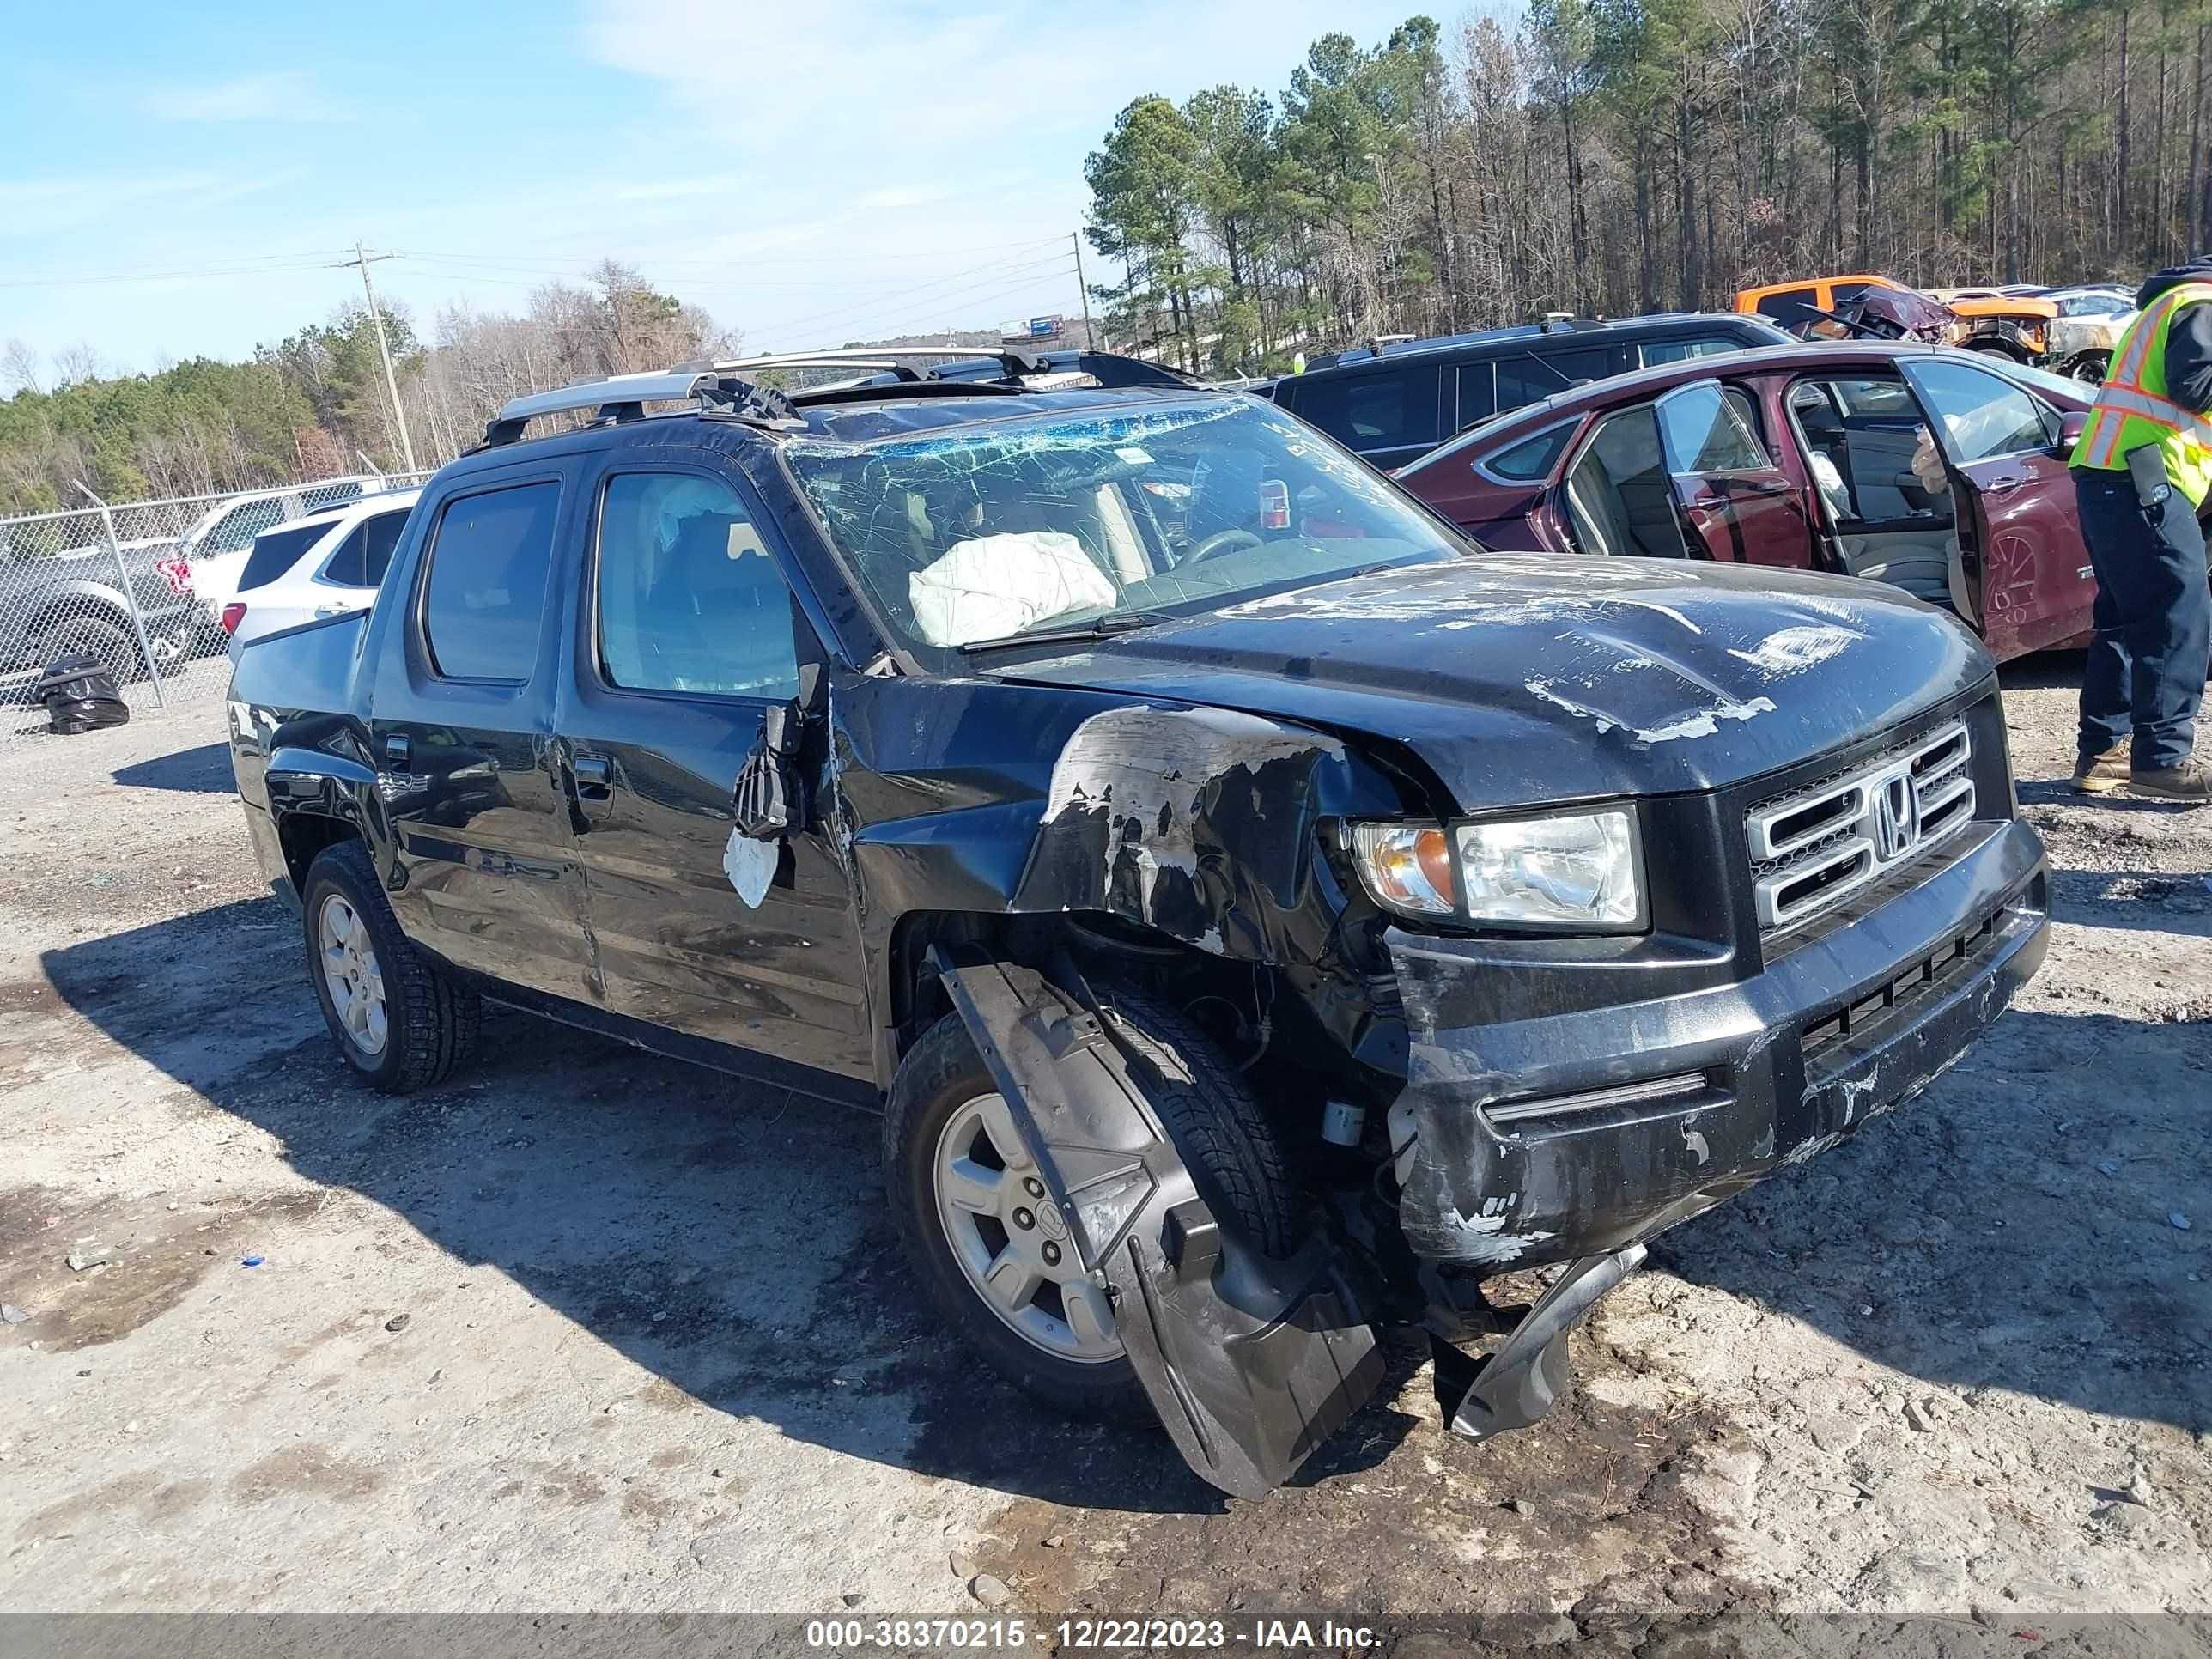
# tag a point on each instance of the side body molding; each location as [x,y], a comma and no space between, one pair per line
[1251,1361]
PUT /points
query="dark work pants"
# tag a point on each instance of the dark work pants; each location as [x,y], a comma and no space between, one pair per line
[2153,617]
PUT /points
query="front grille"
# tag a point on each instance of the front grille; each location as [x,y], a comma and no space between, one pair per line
[1813,848]
[1866,1016]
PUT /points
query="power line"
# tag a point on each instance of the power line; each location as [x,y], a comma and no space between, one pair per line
[268,263]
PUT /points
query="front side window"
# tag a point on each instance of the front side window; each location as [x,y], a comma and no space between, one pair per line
[983,532]
[1707,430]
[486,595]
[689,600]
[1984,416]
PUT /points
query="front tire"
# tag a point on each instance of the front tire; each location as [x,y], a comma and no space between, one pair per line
[400,1021]
[958,1175]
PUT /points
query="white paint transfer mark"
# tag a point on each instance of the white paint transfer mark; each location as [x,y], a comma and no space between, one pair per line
[1542,690]
[1792,650]
[1701,724]
[751,866]
[1706,722]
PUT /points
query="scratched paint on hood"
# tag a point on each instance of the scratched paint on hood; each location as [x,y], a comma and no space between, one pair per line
[1792,650]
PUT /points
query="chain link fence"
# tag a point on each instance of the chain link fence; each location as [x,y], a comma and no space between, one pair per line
[140,586]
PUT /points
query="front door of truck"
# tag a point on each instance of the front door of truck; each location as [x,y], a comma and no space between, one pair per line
[460,735]
[686,637]
[1735,504]
[2001,448]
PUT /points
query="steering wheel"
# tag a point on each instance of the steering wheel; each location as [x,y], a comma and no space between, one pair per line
[1221,541]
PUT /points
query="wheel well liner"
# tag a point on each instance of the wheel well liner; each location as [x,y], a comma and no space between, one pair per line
[303,835]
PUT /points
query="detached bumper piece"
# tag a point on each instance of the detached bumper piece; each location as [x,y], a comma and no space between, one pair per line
[1515,1386]
[1251,1361]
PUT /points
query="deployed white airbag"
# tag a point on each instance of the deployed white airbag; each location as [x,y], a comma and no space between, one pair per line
[992,586]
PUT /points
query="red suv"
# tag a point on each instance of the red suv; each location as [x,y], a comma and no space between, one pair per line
[1937,470]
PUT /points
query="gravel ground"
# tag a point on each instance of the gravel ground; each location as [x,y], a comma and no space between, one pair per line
[588,1330]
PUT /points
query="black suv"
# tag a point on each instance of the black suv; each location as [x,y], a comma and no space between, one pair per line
[1260,915]
[1397,399]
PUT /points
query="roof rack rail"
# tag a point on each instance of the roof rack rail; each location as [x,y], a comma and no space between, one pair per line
[620,396]
[880,358]
[624,397]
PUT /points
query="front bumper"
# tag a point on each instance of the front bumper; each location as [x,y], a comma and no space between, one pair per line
[1544,1139]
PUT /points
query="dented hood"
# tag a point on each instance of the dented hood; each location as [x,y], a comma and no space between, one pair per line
[1520,679]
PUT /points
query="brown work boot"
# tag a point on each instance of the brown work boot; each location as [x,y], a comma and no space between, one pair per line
[2100,775]
[2190,782]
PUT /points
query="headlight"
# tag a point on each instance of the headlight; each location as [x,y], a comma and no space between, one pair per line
[1407,867]
[1577,872]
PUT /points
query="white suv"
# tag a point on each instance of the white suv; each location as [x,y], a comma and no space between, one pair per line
[318,565]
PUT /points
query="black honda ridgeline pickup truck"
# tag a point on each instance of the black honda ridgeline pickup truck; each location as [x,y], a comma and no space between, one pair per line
[1260,915]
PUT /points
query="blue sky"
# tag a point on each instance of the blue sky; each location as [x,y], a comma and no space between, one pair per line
[173,179]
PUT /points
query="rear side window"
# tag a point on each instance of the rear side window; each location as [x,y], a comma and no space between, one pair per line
[1527,376]
[276,551]
[1532,457]
[690,599]
[487,590]
[361,560]
[1656,352]
[1709,431]
[1382,410]
[378,536]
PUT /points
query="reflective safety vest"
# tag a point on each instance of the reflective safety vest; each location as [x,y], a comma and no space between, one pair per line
[2133,409]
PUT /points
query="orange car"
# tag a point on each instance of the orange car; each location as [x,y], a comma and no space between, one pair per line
[1981,319]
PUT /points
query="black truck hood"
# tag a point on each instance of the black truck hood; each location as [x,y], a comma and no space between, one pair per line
[1520,679]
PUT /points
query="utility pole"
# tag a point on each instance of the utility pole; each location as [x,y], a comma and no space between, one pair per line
[1090,340]
[364,259]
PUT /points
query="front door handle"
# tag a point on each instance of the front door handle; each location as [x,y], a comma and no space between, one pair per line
[592,775]
[399,752]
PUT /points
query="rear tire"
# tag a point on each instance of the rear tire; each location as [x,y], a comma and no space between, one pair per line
[401,1022]
[1210,1114]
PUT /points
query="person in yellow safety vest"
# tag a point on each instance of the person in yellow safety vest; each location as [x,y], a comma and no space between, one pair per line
[2142,473]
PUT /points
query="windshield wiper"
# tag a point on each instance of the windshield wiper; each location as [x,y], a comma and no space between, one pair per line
[1098,627]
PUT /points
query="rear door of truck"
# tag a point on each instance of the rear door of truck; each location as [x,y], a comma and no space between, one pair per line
[460,734]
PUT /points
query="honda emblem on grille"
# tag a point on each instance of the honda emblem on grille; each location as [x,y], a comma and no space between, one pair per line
[1896,816]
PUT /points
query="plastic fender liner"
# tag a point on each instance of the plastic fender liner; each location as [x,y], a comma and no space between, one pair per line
[1250,1362]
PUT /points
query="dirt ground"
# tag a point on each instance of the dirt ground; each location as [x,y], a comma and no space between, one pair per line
[588,1330]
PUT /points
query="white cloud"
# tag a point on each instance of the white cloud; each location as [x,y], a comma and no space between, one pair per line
[291,96]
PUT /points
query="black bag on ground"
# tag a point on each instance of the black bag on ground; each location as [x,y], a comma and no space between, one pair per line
[79,694]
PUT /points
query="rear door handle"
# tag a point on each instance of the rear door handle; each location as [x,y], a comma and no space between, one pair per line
[332,610]
[591,776]
[397,750]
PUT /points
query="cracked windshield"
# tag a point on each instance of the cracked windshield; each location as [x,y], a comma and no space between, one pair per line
[1051,523]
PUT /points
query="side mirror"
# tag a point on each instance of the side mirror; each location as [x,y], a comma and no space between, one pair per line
[2071,425]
